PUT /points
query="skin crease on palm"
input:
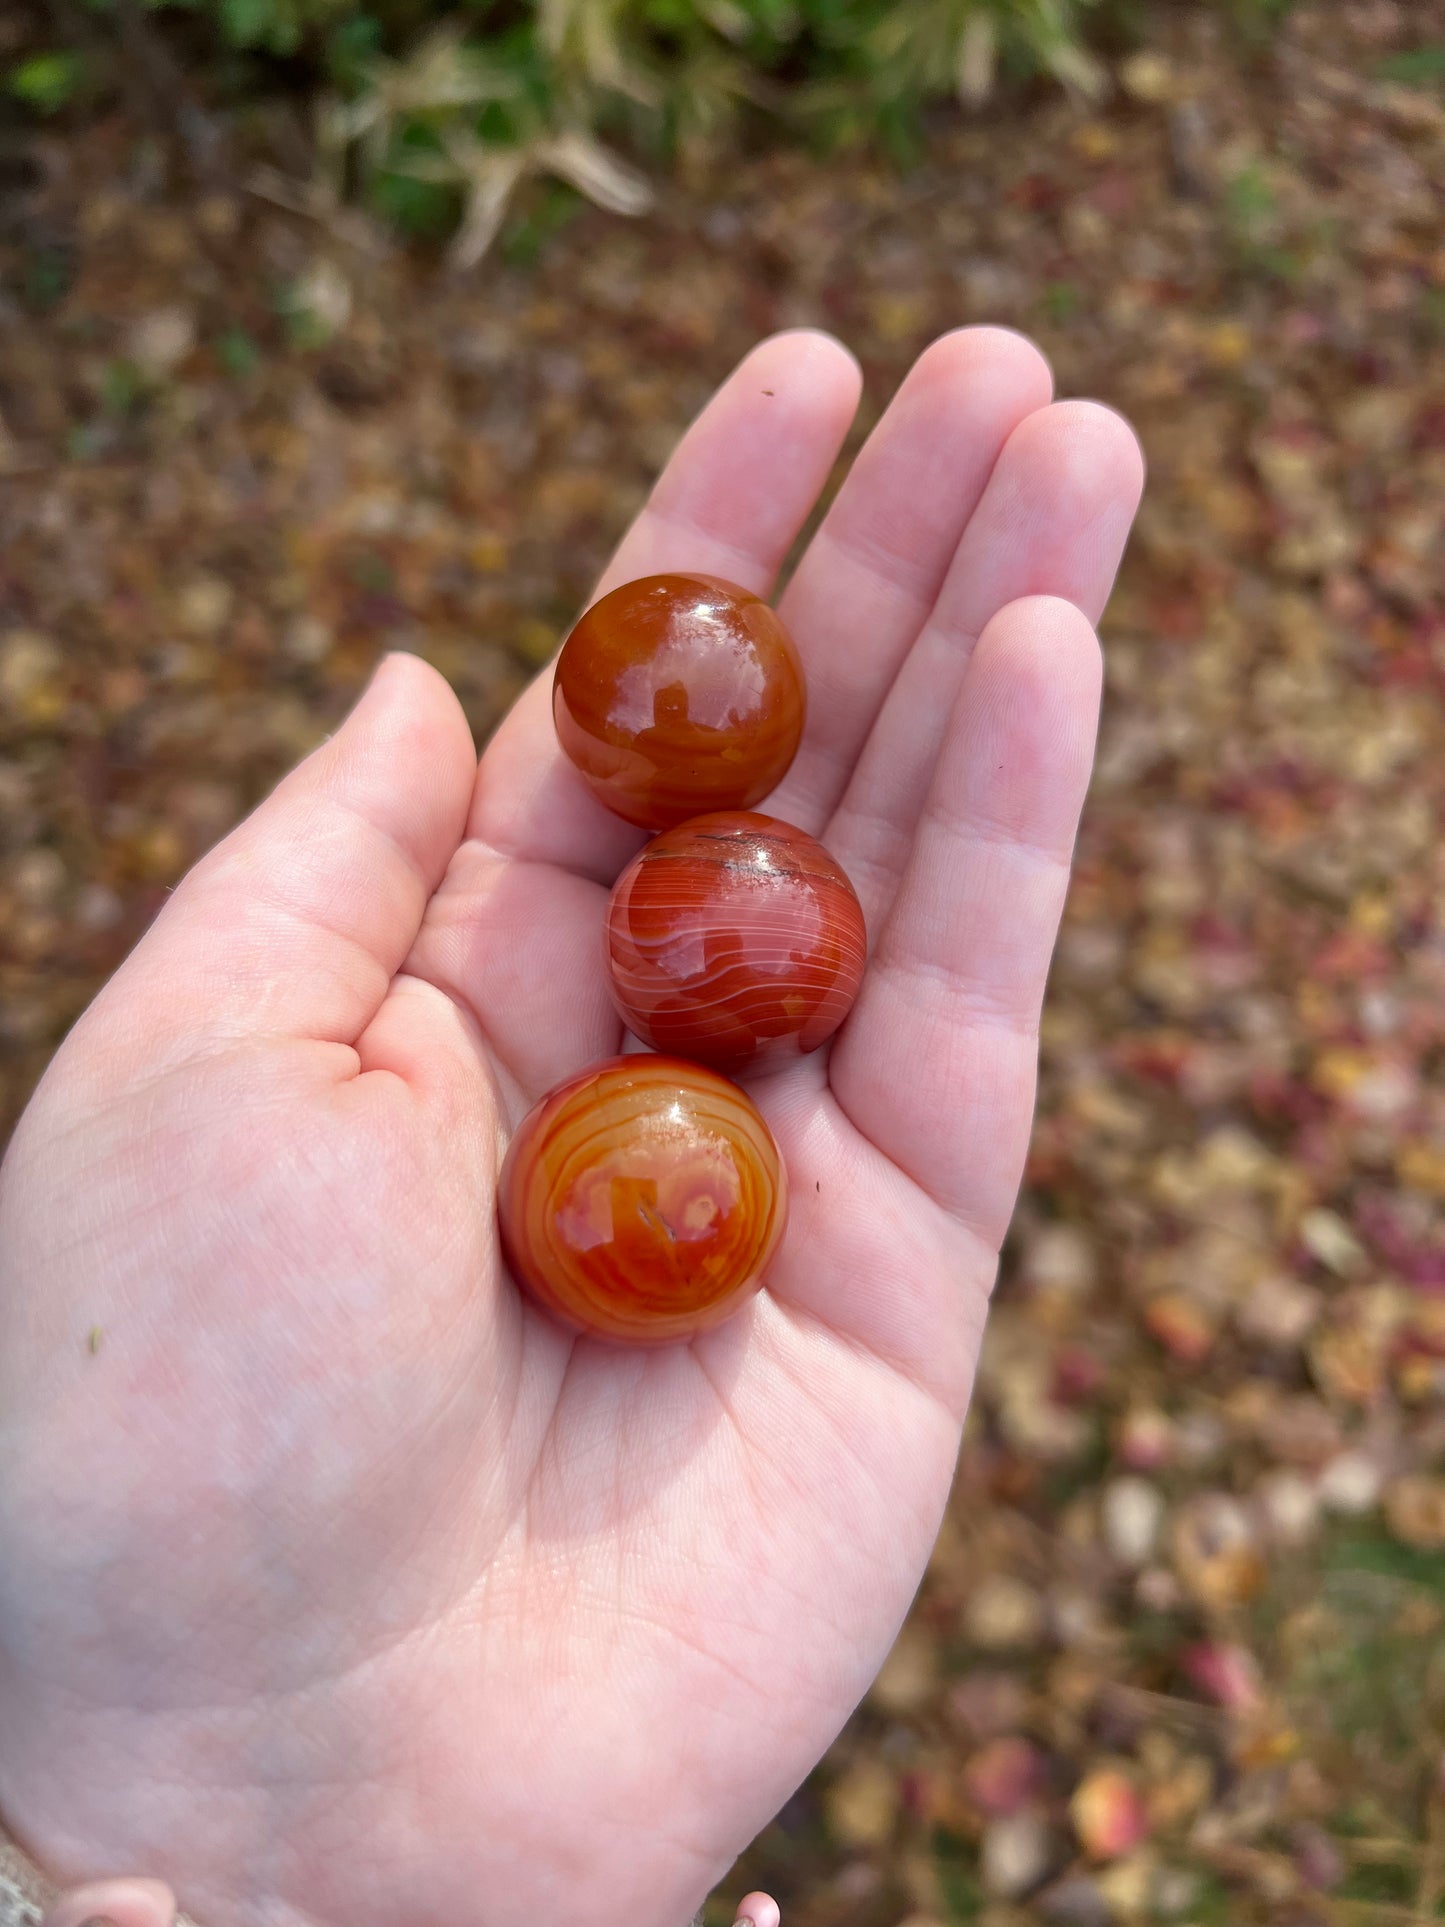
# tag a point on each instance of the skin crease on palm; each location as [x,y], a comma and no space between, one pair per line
[336,1583]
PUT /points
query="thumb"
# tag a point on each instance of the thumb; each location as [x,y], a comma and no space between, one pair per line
[113,1903]
[296,923]
[757,1910]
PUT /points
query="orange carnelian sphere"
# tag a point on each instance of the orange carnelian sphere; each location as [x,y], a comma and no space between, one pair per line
[677,694]
[642,1199]
[735,939]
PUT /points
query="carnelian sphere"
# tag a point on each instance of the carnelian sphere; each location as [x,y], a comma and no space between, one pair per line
[642,1199]
[677,694]
[735,939]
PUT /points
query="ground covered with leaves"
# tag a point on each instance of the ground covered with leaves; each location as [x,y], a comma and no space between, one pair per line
[1181,1652]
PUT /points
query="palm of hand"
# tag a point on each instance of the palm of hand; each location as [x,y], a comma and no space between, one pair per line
[338,1582]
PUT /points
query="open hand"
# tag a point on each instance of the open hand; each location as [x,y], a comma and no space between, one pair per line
[336,1583]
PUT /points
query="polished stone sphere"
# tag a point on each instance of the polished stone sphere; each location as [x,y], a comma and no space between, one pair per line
[735,939]
[678,694]
[642,1200]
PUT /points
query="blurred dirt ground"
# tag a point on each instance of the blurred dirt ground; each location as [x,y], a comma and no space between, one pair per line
[1181,1653]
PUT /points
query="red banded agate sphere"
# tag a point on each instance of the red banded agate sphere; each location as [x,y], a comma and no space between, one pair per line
[642,1200]
[735,939]
[677,694]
